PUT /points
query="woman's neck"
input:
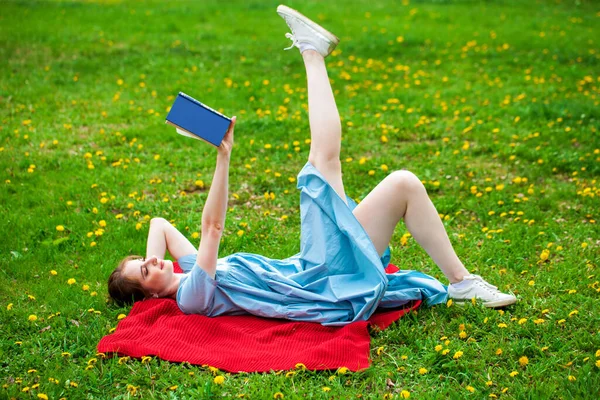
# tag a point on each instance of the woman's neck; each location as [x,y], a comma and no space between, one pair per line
[171,290]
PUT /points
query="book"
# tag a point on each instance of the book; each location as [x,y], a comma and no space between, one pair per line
[194,119]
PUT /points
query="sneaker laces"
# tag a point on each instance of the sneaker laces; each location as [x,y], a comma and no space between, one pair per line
[483,283]
[295,41]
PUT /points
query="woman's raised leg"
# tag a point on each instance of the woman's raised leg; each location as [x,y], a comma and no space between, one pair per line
[315,43]
[401,195]
[325,125]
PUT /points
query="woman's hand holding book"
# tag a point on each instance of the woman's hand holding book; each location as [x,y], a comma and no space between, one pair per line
[227,143]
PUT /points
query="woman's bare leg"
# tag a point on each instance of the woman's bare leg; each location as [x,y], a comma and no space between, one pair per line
[401,195]
[325,125]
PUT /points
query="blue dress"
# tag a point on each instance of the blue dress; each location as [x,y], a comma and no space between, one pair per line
[337,278]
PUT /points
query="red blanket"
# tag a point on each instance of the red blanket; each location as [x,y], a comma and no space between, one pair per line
[243,343]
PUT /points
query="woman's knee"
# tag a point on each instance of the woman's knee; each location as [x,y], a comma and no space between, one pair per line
[406,182]
[158,221]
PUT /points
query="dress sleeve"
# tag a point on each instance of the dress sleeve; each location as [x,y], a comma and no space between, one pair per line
[196,293]
[187,262]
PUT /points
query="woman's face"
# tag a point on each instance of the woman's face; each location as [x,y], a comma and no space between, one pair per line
[154,274]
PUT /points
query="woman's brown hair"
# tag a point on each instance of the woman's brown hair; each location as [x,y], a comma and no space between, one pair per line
[123,290]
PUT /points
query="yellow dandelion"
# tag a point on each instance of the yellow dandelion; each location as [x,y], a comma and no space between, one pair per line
[405,394]
[326,389]
[60,228]
[438,347]
[71,281]
[174,387]
[598,363]
[470,389]
[300,366]
[523,361]
[572,378]
[42,396]
[132,389]
[278,395]
[9,306]
[513,374]
[121,316]
[445,351]
[102,223]
[498,352]
[457,355]
[449,303]
[219,380]
[53,273]
[342,371]
[32,318]
[380,350]
[423,371]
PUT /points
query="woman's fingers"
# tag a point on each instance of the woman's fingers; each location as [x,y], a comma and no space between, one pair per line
[227,143]
[232,124]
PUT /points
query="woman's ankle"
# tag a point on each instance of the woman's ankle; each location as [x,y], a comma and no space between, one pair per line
[310,54]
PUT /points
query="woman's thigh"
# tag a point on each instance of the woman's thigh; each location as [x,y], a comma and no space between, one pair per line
[383,208]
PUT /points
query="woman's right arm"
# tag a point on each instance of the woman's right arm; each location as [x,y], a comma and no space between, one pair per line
[215,209]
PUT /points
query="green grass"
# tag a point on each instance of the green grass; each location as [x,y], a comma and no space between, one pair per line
[90,82]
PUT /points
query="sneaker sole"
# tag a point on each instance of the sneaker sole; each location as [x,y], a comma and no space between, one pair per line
[285,10]
[491,304]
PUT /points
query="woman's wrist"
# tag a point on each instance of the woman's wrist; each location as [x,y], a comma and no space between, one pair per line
[223,156]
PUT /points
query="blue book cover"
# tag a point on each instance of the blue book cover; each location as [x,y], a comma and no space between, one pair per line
[196,120]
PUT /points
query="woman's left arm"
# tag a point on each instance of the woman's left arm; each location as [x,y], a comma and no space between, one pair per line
[163,237]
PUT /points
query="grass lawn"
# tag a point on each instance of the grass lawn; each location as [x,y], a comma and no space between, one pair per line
[494,105]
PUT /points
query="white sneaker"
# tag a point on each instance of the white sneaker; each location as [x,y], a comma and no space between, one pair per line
[481,290]
[306,31]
